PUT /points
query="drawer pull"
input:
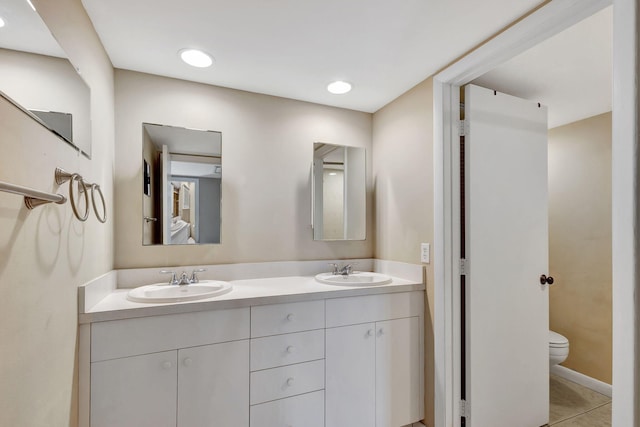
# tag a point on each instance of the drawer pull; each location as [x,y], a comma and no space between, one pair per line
[290,349]
[380,332]
[290,317]
[187,361]
[290,382]
[370,333]
[167,365]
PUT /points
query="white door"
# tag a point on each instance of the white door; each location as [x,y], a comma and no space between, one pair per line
[507,366]
[213,385]
[350,376]
[398,372]
[138,391]
[167,194]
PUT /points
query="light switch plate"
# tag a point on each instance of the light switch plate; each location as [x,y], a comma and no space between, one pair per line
[425,252]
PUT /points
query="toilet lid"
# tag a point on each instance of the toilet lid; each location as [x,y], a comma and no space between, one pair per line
[557,339]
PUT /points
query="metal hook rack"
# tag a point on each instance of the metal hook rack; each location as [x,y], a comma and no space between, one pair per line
[33,198]
[86,188]
[102,218]
[63,176]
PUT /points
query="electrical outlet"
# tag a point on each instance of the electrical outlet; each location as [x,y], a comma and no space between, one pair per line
[425,252]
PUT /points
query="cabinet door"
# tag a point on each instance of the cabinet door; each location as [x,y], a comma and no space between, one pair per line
[213,385]
[399,373]
[137,391]
[350,376]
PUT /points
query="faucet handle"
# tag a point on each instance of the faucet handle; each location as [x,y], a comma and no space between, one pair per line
[347,269]
[174,276]
[335,268]
[194,275]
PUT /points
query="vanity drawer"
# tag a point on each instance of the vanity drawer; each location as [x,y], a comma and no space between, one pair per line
[306,410]
[287,349]
[277,383]
[285,318]
[143,335]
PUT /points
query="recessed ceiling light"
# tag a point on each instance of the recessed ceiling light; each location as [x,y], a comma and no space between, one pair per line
[2,23]
[339,87]
[196,58]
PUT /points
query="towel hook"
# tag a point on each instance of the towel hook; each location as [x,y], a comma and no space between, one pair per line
[95,187]
[63,176]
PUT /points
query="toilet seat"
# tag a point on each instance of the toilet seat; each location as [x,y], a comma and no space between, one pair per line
[557,341]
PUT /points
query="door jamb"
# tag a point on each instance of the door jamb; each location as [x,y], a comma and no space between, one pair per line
[547,21]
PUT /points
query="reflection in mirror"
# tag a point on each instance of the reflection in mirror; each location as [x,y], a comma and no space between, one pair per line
[182,173]
[339,192]
[36,76]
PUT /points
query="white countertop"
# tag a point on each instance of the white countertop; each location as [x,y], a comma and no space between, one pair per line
[245,293]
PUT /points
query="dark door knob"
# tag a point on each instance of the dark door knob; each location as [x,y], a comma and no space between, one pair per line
[544,280]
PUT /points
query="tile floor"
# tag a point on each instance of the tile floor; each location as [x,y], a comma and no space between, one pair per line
[573,405]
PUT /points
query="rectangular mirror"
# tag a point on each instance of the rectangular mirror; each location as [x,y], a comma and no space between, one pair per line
[182,173]
[36,77]
[339,192]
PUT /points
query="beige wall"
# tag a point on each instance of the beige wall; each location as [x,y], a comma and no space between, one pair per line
[403,176]
[45,253]
[580,242]
[267,150]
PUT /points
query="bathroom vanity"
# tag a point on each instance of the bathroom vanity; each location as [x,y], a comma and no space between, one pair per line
[283,351]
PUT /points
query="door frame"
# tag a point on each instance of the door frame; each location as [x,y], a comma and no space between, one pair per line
[550,19]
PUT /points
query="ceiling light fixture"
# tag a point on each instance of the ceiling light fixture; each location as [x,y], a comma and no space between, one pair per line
[196,58]
[339,87]
[2,23]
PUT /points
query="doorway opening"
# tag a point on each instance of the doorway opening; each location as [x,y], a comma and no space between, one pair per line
[448,186]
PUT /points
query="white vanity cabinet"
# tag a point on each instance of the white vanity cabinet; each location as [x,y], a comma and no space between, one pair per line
[192,385]
[329,362]
[287,365]
[374,368]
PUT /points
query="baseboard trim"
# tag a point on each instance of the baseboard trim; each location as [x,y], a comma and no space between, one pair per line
[582,379]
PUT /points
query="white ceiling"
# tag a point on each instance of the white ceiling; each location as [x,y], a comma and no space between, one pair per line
[294,48]
[570,73]
[200,170]
[185,141]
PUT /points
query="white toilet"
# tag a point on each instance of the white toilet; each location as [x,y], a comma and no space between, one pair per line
[558,348]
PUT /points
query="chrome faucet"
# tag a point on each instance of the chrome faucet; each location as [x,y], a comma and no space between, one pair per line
[194,276]
[184,279]
[345,270]
[174,278]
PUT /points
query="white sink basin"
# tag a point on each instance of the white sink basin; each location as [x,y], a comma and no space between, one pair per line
[162,292]
[363,278]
